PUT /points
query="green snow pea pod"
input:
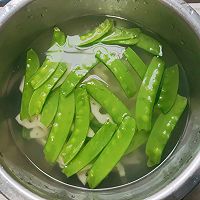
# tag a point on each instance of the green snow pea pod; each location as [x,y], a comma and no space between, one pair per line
[113,106]
[120,71]
[81,126]
[169,89]
[136,62]
[91,150]
[50,108]
[147,94]
[39,96]
[74,77]
[32,65]
[125,42]
[97,33]
[138,140]
[61,127]
[162,130]
[48,67]
[149,44]
[58,37]
[121,34]
[112,153]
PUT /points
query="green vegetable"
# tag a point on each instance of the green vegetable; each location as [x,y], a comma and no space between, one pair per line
[149,44]
[138,140]
[169,89]
[120,71]
[39,96]
[136,62]
[97,33]
[121,34]
[58,37]
[50,108]
[147,94]
[74,77]
[112,153]
[32,65]
[61,127]
[81,126]
[114,107]
[91,150]
[48,67]
[162,130]
[125,42]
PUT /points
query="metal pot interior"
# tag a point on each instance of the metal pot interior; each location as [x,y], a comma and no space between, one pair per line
[173,21]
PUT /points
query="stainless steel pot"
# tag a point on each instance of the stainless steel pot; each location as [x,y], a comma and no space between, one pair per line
[22,20]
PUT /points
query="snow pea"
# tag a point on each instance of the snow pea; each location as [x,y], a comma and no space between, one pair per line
[125,42]
[39,96]
[50,108]
[112,153]
[138,140]
[74,77]
[91,150]
[169,89]
[97,33]
[149,44]
[48,67]
[147,94]
[136,62]
[120,71]
[162,131]
[61,127]
[81,126]
[113,106]
[121,34]
[32,65]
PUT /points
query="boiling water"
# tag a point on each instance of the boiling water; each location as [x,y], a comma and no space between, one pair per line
[135,163]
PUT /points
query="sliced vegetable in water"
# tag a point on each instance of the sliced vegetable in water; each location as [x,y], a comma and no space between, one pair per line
[39,96]
[32,65]
[100,92]
[61,127]
[91,150]
[136,62]
[50,108]
[150,45]
[147,94]
[162,131]
[58,37]
[112,153]
[169,89]
[120,71]
[81,126]
[97,33]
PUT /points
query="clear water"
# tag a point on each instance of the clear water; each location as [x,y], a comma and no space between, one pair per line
[135,163]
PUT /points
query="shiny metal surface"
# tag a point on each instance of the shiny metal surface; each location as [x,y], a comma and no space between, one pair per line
[174,20]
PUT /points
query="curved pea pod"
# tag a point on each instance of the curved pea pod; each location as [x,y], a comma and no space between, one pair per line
[125,42]
[139,139]
[169,89]
[120,71]
[121,34]
[48,67]
[39,96]
[97,33]
[147,94]
[74,77]
[114,107]
[81,126]
[91,150]
[61,127]
[50,108]
[150,45]
[136,62]
[112,153]
[32,65]
[58,37]
[162,131]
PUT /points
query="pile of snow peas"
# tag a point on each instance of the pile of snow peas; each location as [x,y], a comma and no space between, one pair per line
[63,107]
